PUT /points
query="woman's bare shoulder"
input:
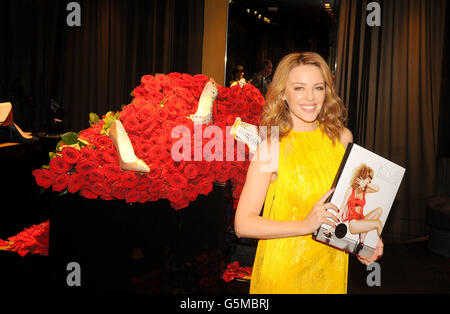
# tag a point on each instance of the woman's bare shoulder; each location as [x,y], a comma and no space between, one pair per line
[346,137]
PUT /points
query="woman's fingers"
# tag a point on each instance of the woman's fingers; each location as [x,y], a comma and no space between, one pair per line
[331,206]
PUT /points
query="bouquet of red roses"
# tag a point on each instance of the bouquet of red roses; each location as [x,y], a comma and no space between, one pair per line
[87,162]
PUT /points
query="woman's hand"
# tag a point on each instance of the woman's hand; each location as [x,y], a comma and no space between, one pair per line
[319,215]
[376,254]
[361,182]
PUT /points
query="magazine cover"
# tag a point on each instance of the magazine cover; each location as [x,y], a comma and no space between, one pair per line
[365,188]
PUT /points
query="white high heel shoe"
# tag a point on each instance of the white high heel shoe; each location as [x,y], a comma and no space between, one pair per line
[204,112]
[127,157]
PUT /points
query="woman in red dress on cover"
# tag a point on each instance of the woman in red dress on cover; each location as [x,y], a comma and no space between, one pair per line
[352,208]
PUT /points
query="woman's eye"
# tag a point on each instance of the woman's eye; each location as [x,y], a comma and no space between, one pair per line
[298,88]
[319,88]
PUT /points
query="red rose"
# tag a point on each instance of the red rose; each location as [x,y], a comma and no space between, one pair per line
[174,75]
[139,102]
[157,152]
[163,80]
[155,171]
[190,171]
[145,114]
[161,114]
[180,205]
[168,125]
[203,167]
[88,153]
[61,182]
[44,177]
[132,196]
[222,175]
[118,191]
[76,181]
[146,79]
[152,87]
[70,155]
[177,180]
[131,124]
[166,142]
[108,156]
[111,171]
[149,125]
[84,167]
[102,141]
[142,150]
[179,165]
[174,195]
[96,175]
[143,183]
[129,111]
[224,93]
[98,188]
[190,192]
[205,187]
[129,180]
[139,91]
[237,191]
[59,165]
[87,193]
[158,186]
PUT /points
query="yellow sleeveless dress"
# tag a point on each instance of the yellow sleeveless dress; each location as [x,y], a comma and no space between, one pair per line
[307,166]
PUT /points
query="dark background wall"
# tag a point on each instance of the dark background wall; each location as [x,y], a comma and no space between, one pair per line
[93,67]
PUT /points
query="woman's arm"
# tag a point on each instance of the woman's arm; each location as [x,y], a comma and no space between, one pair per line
[372,188]
[248,223]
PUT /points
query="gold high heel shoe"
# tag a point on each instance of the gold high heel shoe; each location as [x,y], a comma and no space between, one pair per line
[6,116]
[127,157]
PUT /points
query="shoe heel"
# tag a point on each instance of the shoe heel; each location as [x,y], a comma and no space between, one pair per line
[124,148]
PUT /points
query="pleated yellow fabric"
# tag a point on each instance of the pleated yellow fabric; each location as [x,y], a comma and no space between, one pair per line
[307,166]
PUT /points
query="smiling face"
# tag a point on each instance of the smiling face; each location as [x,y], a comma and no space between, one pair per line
[305,95]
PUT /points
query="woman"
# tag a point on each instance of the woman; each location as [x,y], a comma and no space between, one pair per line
[352,208]
[302,102]
[238,76]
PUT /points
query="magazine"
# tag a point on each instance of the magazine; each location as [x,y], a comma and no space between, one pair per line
[365,188]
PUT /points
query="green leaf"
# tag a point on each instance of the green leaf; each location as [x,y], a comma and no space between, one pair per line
[58,146]
[93,118]
[81,144]
[69,138]
[51,155]
[63,192]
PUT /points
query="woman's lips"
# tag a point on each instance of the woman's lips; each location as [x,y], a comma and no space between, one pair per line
[308,108]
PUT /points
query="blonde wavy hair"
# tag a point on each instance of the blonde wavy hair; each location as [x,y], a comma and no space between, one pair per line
[333,114]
